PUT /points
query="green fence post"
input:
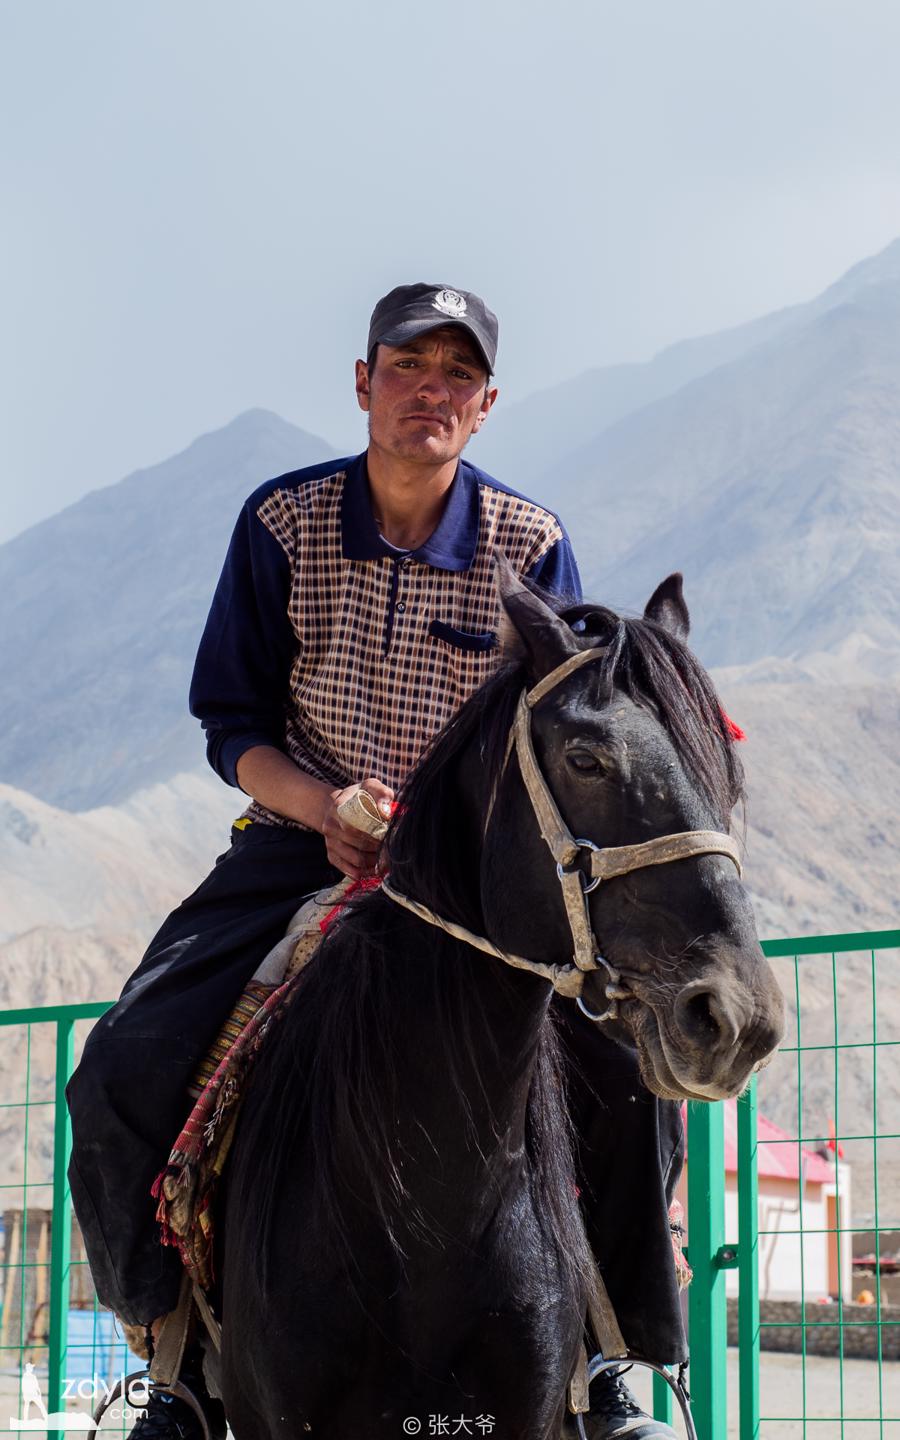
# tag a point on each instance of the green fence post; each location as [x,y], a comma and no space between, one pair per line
[706,1235]
[61,1220]
[748,1263]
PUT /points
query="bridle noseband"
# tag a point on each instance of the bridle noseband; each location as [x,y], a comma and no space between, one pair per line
[576,881]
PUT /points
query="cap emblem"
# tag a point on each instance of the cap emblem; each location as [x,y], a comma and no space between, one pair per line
[450,302]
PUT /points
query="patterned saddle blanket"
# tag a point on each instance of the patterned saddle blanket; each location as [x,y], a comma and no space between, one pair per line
[185,1189]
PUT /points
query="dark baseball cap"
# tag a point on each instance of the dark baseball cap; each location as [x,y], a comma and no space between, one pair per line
[412,310]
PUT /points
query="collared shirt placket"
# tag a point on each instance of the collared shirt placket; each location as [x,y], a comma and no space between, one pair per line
[397,596]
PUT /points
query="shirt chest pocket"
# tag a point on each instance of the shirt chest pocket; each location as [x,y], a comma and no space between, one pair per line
[472,641]
[463,660]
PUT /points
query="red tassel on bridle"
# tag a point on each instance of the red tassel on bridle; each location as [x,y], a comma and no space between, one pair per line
[734,731]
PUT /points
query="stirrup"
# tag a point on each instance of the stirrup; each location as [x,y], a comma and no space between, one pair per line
[599,1366]
[177,1388]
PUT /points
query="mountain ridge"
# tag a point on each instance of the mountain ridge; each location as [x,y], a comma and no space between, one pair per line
[774,474]
[587,404]
[79,593]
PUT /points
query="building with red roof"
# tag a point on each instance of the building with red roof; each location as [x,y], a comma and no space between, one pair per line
[804,1200]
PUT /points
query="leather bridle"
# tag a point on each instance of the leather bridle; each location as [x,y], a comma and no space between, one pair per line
[577,880]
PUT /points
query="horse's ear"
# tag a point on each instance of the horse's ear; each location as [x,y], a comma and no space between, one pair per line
[529,630]
[666,607]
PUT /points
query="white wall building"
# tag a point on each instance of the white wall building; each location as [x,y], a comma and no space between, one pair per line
[803,1198]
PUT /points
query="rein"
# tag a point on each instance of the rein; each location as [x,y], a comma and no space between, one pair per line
[577,882]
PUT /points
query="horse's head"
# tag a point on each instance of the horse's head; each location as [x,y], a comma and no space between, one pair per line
[634,746]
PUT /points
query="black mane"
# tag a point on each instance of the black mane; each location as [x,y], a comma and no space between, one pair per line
[653,667]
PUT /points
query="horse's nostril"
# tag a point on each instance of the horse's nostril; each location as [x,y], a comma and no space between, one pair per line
[703,1016]
[698,1013]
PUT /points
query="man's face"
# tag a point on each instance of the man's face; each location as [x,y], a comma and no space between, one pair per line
[426,398]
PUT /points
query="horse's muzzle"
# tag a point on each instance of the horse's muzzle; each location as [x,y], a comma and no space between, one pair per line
[704,1040]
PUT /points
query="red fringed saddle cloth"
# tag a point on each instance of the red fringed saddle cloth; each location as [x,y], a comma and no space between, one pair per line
[185,1190]
[186,1187]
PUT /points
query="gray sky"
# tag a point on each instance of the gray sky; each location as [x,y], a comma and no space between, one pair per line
[201,201]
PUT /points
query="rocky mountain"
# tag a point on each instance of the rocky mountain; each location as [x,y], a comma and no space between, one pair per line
[528,443]
[823,776]
[81,895]
[117,868]
[771,481]
[102,609]
[532,442]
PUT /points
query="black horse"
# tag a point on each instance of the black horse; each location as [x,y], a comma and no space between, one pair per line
[404,1235]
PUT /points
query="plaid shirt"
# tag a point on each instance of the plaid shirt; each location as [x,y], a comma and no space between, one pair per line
[331,644]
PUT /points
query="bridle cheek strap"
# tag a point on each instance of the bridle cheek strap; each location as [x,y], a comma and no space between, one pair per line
[559,839]
[576,883]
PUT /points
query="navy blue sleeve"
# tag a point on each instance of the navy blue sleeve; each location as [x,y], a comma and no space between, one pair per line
[557,572]
[239,689]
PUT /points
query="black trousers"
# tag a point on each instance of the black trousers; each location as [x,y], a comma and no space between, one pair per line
[128,1099]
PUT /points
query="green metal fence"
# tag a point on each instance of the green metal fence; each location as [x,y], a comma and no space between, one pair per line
[845,975]
[843,995]
[33,1110]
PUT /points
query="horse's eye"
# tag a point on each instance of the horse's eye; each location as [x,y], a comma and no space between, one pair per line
[584,761]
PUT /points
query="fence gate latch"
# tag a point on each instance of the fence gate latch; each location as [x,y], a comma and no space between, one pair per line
[726,1257]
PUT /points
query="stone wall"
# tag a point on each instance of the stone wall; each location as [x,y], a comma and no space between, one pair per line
[823,1338]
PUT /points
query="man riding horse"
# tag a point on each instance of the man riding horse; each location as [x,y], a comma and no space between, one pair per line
[356,612]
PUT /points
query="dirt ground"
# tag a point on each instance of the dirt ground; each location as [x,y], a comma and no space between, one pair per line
[781,1395]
